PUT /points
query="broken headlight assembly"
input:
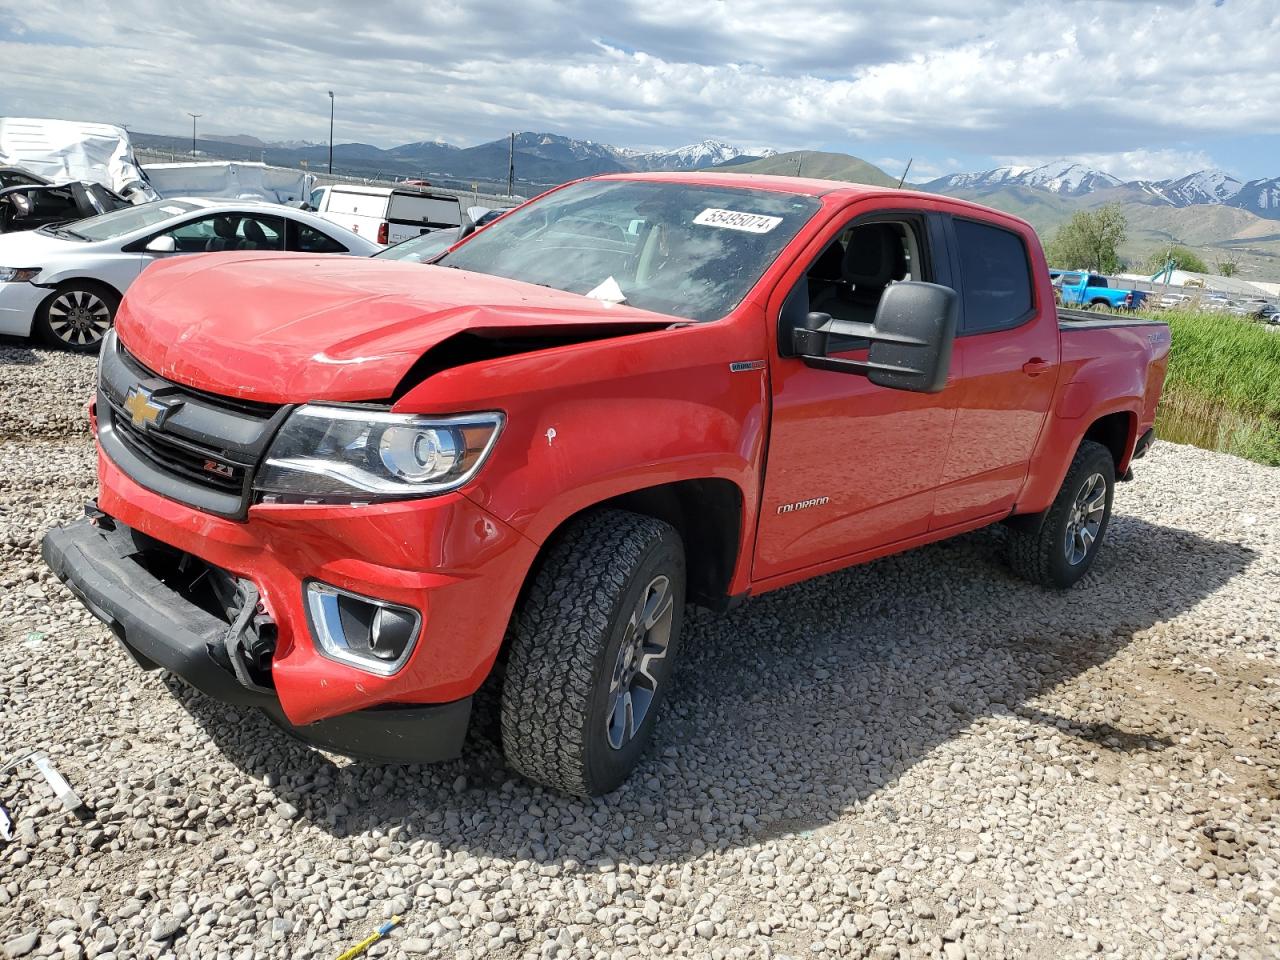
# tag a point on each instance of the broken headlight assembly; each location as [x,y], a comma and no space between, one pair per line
[332,454]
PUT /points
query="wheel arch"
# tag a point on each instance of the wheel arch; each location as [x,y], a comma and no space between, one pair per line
[707,512]
[57,286]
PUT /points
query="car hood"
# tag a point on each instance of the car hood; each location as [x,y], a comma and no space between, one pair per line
[29,248]
[288,328]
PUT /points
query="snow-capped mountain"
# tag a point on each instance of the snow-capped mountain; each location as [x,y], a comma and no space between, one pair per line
[693,156]
[1204,186]
[1063,177]
[1261,197]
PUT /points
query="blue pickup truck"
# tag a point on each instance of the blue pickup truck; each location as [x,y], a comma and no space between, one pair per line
[1077,289]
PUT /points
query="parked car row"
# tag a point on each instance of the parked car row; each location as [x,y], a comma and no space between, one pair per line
[64,282]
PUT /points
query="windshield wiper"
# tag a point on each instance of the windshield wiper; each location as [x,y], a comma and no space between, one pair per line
[64,232]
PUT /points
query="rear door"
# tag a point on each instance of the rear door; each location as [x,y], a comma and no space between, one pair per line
[359,212]
[411,213]
[851,466]
[1008,352]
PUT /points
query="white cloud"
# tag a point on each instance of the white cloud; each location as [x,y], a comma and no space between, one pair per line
[1039,78]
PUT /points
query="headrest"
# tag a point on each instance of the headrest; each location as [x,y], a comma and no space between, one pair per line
[874,255]
[253,232]
[225,227]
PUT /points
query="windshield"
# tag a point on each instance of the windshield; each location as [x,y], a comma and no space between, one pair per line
[422,247]
[688,250]
[117,223]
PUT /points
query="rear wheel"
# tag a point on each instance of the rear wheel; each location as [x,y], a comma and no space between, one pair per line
[77,316]
[1063,548]
[592,652]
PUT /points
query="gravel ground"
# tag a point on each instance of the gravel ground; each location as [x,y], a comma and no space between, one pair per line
[919,757]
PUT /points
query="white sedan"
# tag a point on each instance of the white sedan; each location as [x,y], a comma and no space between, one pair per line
[65,282]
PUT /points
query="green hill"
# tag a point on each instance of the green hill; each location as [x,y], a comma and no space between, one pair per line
[815,163]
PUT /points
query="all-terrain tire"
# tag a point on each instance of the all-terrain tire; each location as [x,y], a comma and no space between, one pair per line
[566,642]
[1043,555]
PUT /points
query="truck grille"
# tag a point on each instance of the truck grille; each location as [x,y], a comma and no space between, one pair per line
[192,447]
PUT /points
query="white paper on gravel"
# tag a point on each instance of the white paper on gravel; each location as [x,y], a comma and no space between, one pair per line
[66,150]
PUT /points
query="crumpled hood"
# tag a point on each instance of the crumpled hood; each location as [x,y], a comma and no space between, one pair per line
[290,328]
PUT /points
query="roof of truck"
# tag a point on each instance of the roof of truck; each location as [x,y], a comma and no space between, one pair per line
[807,186]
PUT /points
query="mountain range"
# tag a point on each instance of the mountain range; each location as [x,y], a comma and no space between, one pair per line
[1070,179]
[1210,211]
[541,159]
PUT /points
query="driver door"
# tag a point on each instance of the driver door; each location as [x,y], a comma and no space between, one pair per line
[851,466]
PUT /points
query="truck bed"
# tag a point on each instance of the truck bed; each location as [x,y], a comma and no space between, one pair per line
[1069,319]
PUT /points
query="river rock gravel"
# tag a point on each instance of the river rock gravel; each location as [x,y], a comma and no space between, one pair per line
[921,757]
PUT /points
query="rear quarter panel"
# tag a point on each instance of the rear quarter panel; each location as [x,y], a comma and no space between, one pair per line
[1106,368]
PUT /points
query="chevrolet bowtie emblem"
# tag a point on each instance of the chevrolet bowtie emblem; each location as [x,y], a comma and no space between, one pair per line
[144,412]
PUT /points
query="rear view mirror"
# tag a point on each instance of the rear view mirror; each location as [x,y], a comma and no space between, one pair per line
[911,338]
[162,244]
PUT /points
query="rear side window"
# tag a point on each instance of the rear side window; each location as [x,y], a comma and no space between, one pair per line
[996,275]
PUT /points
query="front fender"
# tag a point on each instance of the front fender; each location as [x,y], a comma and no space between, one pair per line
[591,421]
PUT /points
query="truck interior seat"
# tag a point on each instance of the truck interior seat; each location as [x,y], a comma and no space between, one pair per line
[874,257]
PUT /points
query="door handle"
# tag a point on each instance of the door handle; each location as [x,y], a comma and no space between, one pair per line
[1035,366]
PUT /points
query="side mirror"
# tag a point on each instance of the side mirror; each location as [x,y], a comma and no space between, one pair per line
[162,244]
[910,339]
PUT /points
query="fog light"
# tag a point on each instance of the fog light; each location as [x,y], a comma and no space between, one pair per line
[373,635]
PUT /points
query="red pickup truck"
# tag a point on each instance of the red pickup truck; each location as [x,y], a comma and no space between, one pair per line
[347,492]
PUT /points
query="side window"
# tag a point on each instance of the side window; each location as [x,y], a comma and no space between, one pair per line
[228,231]
[996,275]
[316,199]
[196,236]
[261,233]
[850,276]
[310,240]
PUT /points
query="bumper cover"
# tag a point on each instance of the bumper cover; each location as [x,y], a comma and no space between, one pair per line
[160,628]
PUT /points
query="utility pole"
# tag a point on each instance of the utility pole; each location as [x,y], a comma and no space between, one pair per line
[331,131]
[799,163]
[511,166]
[194,117]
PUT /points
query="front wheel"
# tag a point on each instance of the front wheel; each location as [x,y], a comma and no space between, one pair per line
[592,651]
[1063,548]
[77,316]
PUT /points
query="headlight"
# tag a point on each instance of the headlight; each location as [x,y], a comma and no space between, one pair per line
[18,274]
[340,454]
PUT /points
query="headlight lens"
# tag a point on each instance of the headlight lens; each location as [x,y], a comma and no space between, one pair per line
[344,454]
[18,274]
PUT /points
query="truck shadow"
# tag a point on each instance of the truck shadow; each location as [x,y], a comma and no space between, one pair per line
[786,713]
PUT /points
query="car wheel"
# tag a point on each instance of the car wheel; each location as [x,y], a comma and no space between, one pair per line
[1099,305]
[1062,549]
[592,650]
[77,316]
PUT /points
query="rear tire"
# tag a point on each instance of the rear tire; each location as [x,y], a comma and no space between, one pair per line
[77,316]
[592,651]
[1063,548]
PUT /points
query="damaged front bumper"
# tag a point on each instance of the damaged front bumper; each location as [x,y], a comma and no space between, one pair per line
[172,611]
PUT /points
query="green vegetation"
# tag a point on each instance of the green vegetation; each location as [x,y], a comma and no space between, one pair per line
[1183,259]
[1223,387]
[1089,240]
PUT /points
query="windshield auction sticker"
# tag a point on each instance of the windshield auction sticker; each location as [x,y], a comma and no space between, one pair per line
[733,220]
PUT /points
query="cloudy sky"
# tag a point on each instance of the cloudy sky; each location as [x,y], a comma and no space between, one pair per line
[1136,88]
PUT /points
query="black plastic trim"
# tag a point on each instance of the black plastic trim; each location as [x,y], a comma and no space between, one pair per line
[160,629]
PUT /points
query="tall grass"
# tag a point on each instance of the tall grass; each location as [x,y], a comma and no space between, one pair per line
[1223,385]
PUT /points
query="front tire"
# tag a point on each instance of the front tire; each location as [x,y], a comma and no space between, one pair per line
[592,652]
[77,316]
[1063,548]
